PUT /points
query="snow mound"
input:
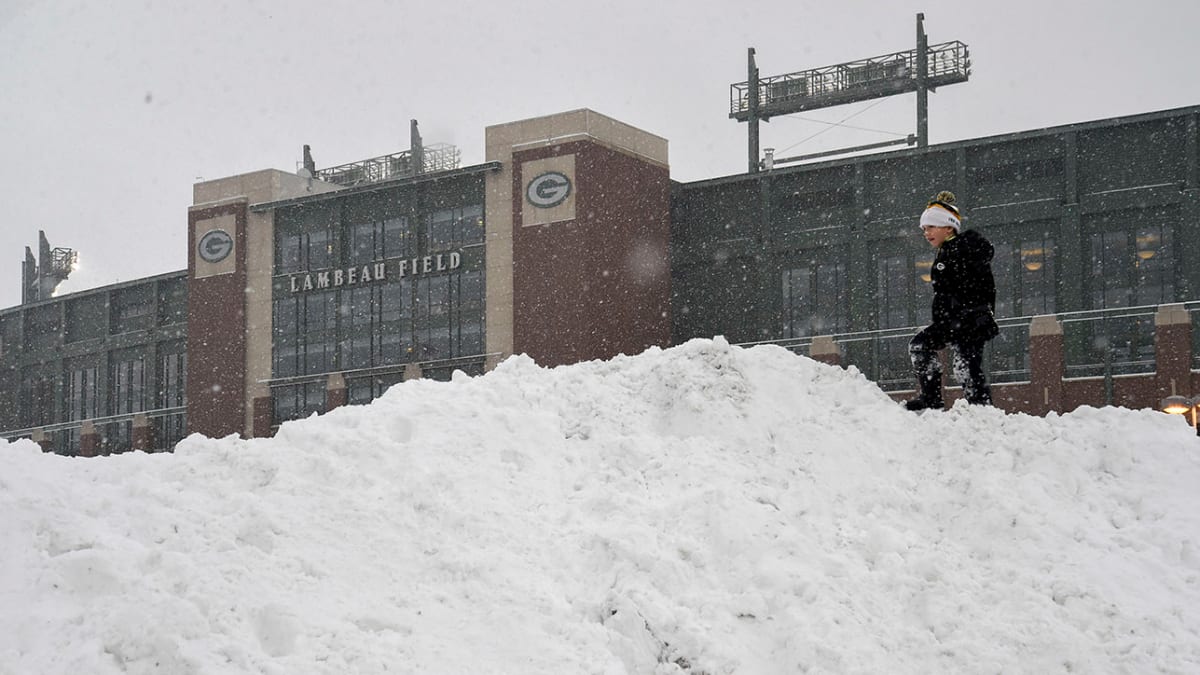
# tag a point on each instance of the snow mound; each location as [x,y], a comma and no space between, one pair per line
[702,509]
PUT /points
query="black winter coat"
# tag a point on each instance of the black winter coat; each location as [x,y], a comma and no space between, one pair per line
[964,291]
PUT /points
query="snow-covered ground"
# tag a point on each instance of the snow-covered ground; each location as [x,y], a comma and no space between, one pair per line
[703,509]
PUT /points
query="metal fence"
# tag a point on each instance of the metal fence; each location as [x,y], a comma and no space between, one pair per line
[114,433]
[1096,343]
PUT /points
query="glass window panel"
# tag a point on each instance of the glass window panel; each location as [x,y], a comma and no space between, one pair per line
[397,238]
[471,289]
[439,296]
[320,312]
[286,315]
[126,387]
[1006,282]
[362,305]
[81,394]
[471,225]
[172,380]
[389,347]
[1111,267]
[283,401]
[285,360]
[288,253]
[1153,262]
[318,357]
[796,302]
[366,242]
[320,250]
[1038,280]
[169,430]
[892,293]
[1123,344]
[314,401]
[470,337]
[391,301]
[894,365]
[831,299]
[359,392]
[359,355]
[1008,355]
[441,230]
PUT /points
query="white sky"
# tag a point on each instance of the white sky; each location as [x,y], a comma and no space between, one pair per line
[735,511]
[111,111]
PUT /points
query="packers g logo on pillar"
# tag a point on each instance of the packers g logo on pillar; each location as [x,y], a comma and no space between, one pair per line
[548,190]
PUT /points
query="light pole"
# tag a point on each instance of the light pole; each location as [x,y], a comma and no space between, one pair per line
[1181,405]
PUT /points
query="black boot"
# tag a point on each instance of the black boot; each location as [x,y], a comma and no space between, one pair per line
[968,370]
[930,397]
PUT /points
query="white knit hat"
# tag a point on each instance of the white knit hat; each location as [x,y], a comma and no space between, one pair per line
[937,215]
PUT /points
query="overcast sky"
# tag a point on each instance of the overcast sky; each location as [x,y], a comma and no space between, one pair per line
[111,111]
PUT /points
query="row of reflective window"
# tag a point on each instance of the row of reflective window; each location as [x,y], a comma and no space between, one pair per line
[127,390]
[1126,268]
[423,319]
[365,242]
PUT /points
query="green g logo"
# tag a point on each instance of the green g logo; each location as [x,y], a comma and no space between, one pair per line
[548,190]
[215,246]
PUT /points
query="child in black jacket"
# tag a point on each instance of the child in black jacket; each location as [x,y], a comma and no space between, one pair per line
[964,298]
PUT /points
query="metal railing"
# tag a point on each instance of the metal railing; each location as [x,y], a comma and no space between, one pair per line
[948,62]
[105,427]
[1096,343]
[434,157]
[98,421]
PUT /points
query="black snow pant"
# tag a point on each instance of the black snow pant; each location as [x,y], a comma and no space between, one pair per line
[967,359]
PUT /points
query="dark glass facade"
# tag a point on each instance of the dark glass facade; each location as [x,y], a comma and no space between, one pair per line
[1088,222]
[97,357]
[368,283]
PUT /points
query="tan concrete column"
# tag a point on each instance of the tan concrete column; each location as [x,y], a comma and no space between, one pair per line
[1046,365]
[825,350]
[335,391]
[142,435]
[89,440]
[42,439]
[412,371]
[1173,351]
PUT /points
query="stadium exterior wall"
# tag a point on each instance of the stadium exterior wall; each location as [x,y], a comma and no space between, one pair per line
[571,243]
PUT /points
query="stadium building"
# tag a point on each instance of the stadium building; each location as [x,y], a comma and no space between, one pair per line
[311,289]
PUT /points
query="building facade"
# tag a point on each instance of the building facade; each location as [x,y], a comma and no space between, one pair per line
[325,294]
[1094,223]
[305,291]
[99,371]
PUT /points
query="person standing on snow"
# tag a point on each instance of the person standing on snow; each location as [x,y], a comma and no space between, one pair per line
[964,299]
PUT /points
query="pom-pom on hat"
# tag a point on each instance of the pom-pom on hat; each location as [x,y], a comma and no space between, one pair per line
[941,212]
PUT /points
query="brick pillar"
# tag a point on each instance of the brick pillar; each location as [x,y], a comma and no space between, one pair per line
[412,371]
[142,435]
[262,417]
[825,350]
[1172,352]
[44,441]
[335,391]
[1046,365]
[89,440]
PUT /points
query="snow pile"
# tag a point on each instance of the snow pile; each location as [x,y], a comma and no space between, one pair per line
[704,509]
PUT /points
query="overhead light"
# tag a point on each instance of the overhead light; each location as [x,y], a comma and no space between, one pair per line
[1181,405]
[1033,258]
[1176,405]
